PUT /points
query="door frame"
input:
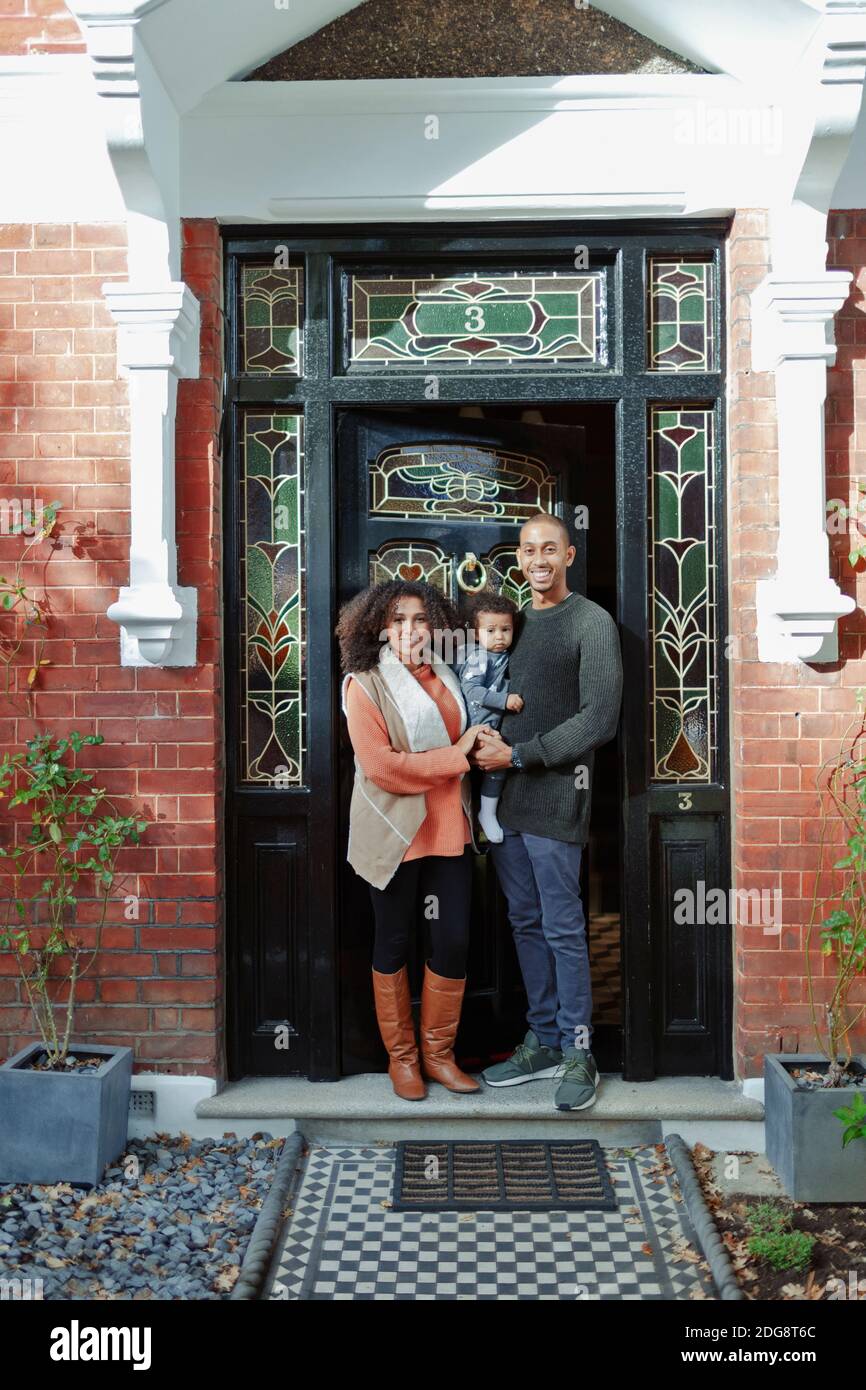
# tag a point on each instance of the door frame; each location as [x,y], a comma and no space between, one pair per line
[306,827]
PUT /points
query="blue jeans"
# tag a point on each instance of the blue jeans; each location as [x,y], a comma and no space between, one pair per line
[540,878]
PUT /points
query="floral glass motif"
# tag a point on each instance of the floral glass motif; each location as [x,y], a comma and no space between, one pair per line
[416,561]
[505,576]
[680,319]
[272,317]
[477,318]
[458,481]
[273,674]
[682,594]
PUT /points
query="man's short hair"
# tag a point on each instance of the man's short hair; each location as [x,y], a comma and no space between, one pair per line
[549,516]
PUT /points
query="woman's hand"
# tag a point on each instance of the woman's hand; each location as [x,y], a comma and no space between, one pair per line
[466,742]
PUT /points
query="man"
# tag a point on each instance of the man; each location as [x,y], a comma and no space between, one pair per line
[567,666]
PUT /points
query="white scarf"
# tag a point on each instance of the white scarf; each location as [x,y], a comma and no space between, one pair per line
[424,725]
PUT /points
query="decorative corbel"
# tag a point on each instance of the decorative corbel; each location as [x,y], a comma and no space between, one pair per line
[792,336]
[157,320]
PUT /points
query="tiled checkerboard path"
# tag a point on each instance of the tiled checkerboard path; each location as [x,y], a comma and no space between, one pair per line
[344,1242]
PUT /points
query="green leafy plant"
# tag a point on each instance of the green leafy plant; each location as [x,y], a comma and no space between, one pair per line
[70,853]
[853,1116]
[766,1218]
[18,602]
[838,514]
[773,1239]
[842,787]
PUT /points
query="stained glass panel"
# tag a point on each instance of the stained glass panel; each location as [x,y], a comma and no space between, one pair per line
[415,561]
[505,576]
[477,318]
[272,319]
[682,594]
[273,671]
[680,317]
[458,481]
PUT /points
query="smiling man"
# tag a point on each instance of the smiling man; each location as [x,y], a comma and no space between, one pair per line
[567,666]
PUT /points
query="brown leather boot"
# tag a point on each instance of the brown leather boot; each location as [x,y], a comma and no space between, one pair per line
[441,1001]
[394,1016]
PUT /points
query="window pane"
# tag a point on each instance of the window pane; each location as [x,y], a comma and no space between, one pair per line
[273,651]
[458,481]
[682,598]
[680,317]
[498,319]
[272,319]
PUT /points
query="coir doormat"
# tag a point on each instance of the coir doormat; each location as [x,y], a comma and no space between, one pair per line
[502,1175]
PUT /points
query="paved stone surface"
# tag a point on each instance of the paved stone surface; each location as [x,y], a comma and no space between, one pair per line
[745,1175]
[344,1243]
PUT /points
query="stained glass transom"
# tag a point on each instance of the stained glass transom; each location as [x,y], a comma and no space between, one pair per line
[682,594]
[477,318]
[415,561]
[273,661]
[272,319]
[680,318]
[458,481]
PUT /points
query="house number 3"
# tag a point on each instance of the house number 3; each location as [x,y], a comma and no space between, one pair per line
[685,801]
[474,319]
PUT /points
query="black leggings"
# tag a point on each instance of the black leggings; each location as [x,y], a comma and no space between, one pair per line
[436,891]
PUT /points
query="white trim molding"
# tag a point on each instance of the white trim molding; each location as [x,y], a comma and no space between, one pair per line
[157,343]
[799,608]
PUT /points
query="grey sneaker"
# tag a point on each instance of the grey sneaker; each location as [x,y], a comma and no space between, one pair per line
[530,1061]
[579,1080]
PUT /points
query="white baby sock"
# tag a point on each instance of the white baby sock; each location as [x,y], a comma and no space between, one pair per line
[487,819]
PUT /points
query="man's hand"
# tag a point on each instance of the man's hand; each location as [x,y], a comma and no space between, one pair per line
[514,703]
[491,752]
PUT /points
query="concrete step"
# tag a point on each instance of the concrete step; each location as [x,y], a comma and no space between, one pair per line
[364,1108]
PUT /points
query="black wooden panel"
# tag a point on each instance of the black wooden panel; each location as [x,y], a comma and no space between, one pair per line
[689,955]
[270,966]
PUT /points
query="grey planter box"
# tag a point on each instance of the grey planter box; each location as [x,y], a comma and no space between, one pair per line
[804,1138]
[63,1128]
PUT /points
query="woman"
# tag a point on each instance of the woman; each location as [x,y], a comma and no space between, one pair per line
[409,823]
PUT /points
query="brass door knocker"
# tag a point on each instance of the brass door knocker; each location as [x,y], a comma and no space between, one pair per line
[469,564]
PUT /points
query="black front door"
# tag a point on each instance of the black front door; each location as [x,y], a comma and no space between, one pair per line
[441,498]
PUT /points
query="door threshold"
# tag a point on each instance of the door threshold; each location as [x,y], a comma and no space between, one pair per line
[365,1108]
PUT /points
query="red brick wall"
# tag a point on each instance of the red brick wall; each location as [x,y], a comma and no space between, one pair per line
[786,720]
[38,26]
[64,436]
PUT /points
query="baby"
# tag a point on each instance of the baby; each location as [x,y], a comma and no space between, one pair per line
[483,679]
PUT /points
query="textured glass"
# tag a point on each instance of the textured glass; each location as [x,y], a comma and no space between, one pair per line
[458,481]
[477,319]
[680,315]
[273,661]
[682,594]
[505,576]
[272,319]
[414,561]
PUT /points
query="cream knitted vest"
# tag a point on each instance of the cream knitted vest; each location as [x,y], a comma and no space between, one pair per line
[382,825]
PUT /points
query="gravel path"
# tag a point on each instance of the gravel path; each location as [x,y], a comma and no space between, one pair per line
[171,1219]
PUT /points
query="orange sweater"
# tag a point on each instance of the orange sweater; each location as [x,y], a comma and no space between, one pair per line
[445,829]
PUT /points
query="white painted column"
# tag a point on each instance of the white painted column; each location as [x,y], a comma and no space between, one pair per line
[792,335]
[799,608]
[157,342]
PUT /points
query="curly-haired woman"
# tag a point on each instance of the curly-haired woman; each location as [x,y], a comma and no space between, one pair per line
[409,822]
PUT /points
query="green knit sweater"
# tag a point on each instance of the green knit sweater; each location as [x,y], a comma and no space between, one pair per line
[566,664]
